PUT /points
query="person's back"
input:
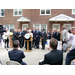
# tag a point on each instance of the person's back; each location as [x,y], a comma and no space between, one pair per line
[15,54]
[54,57]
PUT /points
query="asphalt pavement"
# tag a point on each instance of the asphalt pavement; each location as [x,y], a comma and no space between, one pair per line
[32,58]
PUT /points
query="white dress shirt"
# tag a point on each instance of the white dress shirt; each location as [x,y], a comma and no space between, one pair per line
[73,43]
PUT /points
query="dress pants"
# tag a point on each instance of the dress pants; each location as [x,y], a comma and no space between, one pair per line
[37,42]
[43,44]
[7,42]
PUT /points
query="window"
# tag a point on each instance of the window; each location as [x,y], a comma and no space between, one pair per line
[10,27]
[73,11]
[17,12]
[67,26]
[1,12]
[57,26]
[40,26]
[45,11]
[24,26]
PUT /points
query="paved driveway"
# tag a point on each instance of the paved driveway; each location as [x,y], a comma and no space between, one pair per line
[32,58]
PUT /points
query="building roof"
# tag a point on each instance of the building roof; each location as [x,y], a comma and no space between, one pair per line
[24,19]
[62,17]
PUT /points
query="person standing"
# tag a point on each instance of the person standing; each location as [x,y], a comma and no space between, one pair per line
[30,34]
[71,54]
[21,38]
[24,32]
[58,38]
[48,38]
[34,38]
[43,38]
[38,34]
[6,38]
[15,37]
[64,35]
[54,33]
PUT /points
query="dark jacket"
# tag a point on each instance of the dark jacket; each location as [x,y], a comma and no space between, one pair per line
[54,35]
[43,35]
[54,57]
[34,34]
[70,56]
[49,37]
[16,55]
[58,36]
[38,34]
[15,37]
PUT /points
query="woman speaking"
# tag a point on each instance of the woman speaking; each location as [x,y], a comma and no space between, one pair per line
[28,37]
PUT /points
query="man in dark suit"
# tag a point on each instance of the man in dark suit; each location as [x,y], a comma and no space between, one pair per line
[54,57]
[15,36]
[43,38]
[38,34]
[70,56]
[15,54]
[54,34]
[21,38]
[34,38]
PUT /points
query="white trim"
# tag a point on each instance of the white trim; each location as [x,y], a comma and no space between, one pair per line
[17,15]
[53,27]
[72,12]
[45,12]
[24,24]
[62,17]
[9,26]
[40,26]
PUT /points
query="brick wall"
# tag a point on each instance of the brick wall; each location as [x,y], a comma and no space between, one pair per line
[34,16]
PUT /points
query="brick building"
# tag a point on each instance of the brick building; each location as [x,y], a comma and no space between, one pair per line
[38,18]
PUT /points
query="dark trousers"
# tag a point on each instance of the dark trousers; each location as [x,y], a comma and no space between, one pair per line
[21,42]
[37,42]
[34,42]
[43,44]
[7,42]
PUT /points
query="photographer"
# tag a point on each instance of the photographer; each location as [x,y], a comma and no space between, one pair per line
[2,29]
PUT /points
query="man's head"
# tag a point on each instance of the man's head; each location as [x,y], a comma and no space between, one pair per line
[25,29]
[43,29]
[15,30]
[37,29]
[63,28]
[73,30]
[6,29]
[53,43]
[33,28]
[54,29]
[16,44]
[19,30]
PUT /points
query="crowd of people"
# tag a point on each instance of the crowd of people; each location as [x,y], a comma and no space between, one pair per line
[55,56]
[37,36]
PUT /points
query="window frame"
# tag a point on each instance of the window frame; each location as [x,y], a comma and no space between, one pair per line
[0,13]
[67,24]
[14,13]
[45,12]
[9,26]
[72,12]
[40,26]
